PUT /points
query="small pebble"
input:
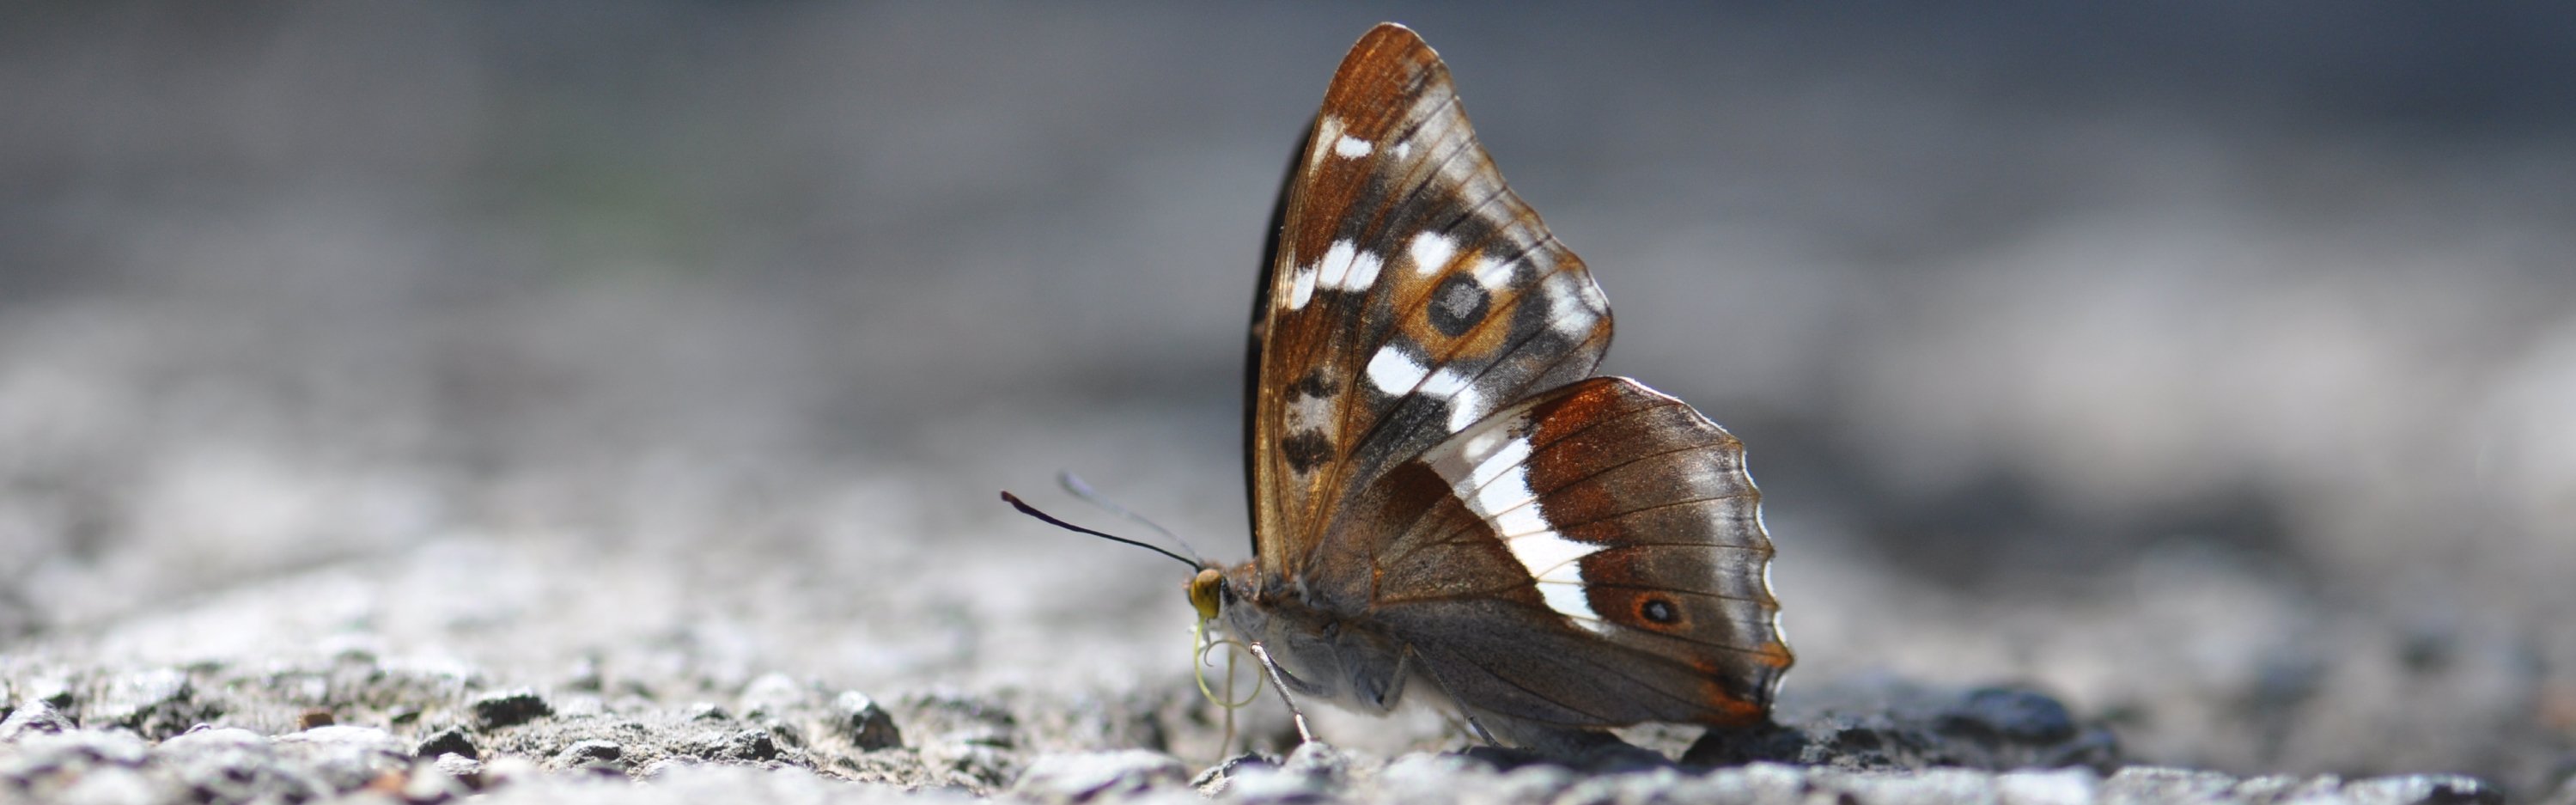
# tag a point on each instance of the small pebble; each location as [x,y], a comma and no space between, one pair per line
[1319,759]
[465,769]
[52,690]
[590,753]
[33,718]
[1212,781]
[705,711]
[863,722]
[509,708]
[313,718]
[753,745]
[449,741]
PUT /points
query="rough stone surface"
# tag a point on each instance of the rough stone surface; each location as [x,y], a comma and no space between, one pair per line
[1085,776]
[424,732]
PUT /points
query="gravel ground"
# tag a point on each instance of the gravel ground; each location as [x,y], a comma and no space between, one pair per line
[605,403]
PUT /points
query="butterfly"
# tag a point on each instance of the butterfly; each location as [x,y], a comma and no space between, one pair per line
[1445,499]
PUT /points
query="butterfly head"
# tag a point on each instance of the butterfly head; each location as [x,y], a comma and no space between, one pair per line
[1206,591]
[1220,593]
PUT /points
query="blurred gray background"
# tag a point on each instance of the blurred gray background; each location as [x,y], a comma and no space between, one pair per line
[2210,365]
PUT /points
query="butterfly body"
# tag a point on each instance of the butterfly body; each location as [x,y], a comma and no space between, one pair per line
[1447,502]
[1327,653]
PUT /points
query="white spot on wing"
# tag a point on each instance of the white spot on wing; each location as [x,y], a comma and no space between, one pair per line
[1364,267]
[1312,414]
[1491,477]
[1493,274]
[1445,382]
[1403,150]
[1550,556]
[1567,305]
[1328,130]
[1465,405]
[1399,374]
[1349,147]
[1430,251]
[1553,564]
[1568,600]
[1514,518]
[1394,372]
[1301,288]
[1475,461]
[1346,268]
[1492,465]
[1336,262]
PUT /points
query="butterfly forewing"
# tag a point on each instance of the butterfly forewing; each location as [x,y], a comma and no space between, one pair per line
[1410,294]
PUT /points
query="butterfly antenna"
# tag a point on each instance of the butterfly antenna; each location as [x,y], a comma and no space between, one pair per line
[1074,484]
[1032,511]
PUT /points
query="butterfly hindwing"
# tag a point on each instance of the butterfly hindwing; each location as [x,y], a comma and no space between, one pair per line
[1612,533]
[1409,294]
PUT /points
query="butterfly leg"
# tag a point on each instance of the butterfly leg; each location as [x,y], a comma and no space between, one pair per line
[1272,670]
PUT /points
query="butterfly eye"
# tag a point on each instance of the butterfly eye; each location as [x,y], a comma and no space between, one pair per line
[1657,610]
[1204,590]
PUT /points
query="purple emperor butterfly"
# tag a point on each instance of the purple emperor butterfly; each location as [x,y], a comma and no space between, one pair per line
[1444,497]
[1446,502]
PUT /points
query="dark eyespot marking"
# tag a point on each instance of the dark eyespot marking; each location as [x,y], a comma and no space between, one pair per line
[1658,610]
[1306,450]
[1458,304]
[1315,385]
